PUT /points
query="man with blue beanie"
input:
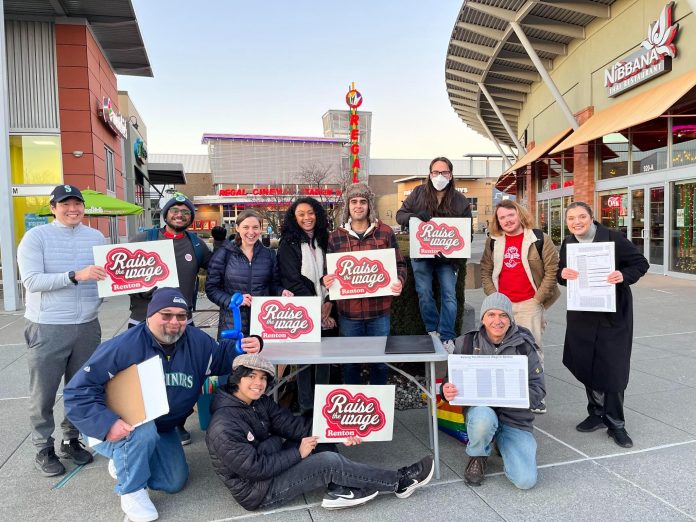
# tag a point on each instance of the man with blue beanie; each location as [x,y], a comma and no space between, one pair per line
[150,455]
[510,428]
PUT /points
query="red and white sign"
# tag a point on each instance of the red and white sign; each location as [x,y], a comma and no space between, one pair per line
[353,411]
[451,236]
[614,201]
[286,319]
[136,267]
[366,273]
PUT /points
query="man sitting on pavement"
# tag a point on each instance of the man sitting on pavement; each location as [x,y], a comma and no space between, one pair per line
[510,428]
[149,456]
[266,456]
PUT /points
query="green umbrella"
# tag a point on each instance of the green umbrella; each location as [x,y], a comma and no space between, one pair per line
[98,204]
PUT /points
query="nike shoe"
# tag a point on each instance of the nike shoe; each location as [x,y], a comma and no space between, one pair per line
[340,497]
[415,476]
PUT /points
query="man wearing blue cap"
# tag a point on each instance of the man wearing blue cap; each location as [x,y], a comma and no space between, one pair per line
[56,264]
[150,455]
[510,428]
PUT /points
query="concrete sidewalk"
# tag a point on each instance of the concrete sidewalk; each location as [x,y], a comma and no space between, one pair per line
[581,476]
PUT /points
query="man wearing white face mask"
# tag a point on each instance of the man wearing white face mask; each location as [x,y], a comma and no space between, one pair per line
[438,197]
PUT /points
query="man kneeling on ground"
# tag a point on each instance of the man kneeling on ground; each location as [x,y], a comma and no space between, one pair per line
[509,428]
[266,456]
[151,455]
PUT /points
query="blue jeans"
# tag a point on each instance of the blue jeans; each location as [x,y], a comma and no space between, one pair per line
[319,470]
[443,322]
[368,328]
[147,458]
[518,447]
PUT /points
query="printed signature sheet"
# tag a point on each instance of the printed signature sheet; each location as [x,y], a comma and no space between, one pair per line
[489,380]
[591,292]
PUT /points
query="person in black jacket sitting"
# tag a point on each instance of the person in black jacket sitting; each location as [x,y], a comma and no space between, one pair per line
[266,456]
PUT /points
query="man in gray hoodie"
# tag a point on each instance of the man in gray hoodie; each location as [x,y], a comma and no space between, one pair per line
[510,428]
[62,330]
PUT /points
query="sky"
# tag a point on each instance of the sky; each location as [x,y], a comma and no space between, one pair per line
[275,67]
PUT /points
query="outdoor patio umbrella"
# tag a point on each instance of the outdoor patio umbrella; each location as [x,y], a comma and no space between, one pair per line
[98,204]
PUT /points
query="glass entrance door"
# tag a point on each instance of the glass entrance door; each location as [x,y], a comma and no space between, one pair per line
[648,223]
[656,223]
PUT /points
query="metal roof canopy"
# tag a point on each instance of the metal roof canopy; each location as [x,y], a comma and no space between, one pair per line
[484,49]
[166,174]
[113,23]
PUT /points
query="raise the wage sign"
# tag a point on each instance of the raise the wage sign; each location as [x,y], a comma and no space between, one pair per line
[363,273]
[449,236]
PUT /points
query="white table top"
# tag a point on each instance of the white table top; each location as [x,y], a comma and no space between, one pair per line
[344,350]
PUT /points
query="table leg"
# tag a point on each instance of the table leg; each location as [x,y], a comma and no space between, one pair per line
[430,404]
[433,403]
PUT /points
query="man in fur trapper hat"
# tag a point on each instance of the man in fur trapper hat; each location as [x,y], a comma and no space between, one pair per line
[367,316]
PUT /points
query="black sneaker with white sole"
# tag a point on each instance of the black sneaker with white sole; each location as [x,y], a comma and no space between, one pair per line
[340,497]
[415,476]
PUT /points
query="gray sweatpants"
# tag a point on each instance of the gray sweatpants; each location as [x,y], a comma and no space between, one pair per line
[54,351]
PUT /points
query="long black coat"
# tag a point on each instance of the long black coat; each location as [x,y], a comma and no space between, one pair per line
[597,348]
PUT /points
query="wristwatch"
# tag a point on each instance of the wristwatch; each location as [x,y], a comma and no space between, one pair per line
[71,276]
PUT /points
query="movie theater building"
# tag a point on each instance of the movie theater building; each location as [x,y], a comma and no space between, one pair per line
[268,173]
[599,100]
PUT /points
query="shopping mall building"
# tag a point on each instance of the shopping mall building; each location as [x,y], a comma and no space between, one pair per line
[599,99]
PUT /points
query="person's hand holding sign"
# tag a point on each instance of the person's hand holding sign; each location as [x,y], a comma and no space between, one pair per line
[449,391]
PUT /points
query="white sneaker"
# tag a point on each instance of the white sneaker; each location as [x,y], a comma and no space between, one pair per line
[138,507]
[449,346]
[434,334]
[112,469]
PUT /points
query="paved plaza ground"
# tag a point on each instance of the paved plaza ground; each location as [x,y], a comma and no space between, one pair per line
[581,476]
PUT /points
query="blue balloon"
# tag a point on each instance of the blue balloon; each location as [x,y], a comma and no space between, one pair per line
[236,331]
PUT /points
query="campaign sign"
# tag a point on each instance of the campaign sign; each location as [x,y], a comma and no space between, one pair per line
[365,273]
[353,411]
[451,236]
[286,319]
[136,267]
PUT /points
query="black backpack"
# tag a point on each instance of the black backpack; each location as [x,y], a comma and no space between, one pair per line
[539,243]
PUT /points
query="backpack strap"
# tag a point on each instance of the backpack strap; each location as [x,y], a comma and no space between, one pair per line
[539,241]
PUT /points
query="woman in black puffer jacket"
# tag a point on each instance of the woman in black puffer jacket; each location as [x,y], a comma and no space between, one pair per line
[243,265]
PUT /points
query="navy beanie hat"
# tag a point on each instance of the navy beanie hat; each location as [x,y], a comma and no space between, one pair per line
[178,199]
[166,298]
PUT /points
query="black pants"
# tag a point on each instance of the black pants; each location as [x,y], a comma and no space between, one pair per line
[608,405]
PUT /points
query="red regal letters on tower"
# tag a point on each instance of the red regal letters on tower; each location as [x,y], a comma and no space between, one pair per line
[354,100]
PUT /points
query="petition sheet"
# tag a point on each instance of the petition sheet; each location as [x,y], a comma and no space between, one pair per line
[489,380]
[591,292]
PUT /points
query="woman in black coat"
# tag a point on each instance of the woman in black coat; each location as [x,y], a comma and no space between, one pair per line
[597,348]
[301,263]
[243,265]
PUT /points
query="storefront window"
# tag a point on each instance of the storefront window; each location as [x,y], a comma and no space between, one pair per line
[683,252]
[649,146]
[541,174]
[684,139]
[34,160]
[556,220]
[613,155]
[613,210]
[543,215]
[555,172]
[568,167]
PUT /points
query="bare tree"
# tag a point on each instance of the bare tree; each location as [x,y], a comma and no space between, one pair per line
[317,177]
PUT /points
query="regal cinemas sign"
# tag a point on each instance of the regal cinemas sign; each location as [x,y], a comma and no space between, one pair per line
[653,59]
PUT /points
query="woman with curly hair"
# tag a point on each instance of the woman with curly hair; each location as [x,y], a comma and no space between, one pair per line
[301,254]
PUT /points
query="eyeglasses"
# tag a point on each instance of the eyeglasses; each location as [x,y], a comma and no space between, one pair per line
[167,316]
[446,173]
[182,211]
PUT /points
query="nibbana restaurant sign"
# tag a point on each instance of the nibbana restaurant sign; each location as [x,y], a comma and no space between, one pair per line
[652,59]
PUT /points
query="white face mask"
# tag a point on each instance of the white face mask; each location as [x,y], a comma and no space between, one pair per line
[440,182]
